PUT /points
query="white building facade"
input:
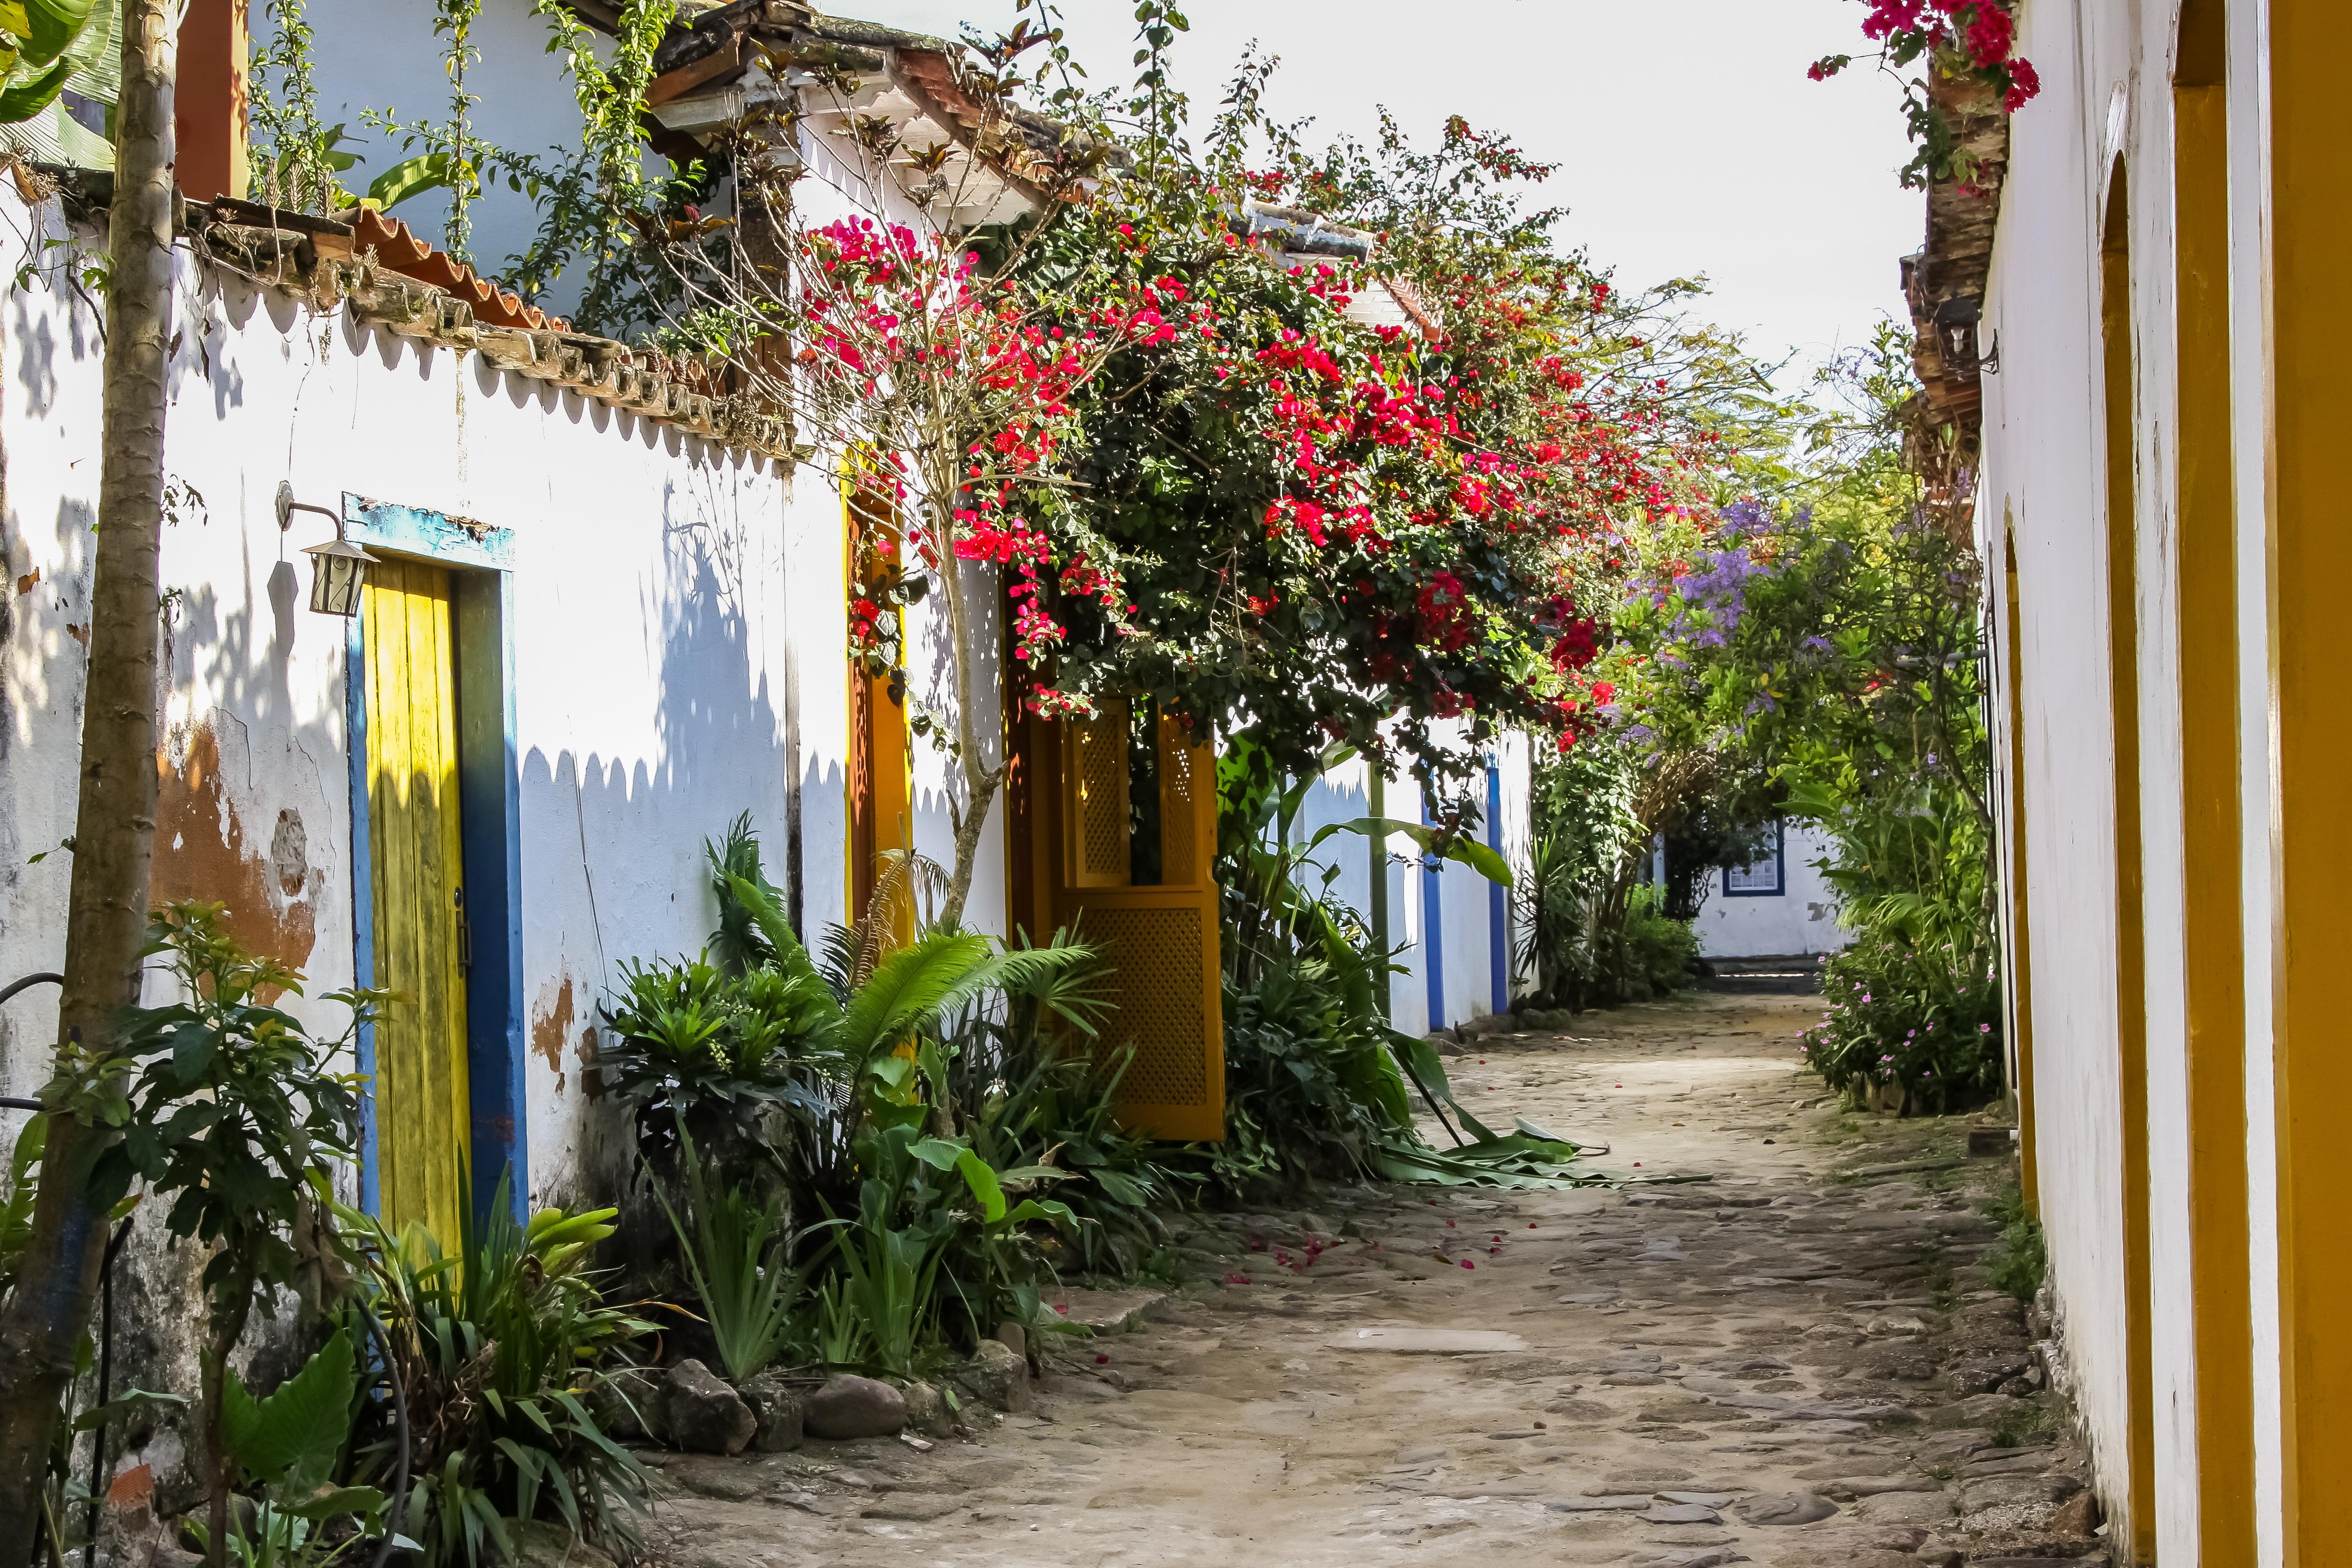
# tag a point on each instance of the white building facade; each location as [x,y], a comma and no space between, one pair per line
[2160,509]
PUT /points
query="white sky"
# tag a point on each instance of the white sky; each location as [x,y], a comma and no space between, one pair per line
[1690,140]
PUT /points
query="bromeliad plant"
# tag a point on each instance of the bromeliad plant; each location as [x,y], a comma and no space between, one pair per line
[736,1256]
[501,1347]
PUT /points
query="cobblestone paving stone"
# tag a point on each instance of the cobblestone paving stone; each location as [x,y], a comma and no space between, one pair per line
[1788,1363]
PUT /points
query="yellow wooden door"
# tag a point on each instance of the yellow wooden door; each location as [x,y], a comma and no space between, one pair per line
[421,1101]
[1160,937]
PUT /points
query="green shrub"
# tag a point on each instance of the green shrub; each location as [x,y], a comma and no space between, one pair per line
[702,1053]
[2016,1263]
[1918,1024]
[1658,948]
[1035,1084]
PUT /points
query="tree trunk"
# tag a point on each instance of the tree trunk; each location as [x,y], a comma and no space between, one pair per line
[220,1464]
[114,825]
[984,773]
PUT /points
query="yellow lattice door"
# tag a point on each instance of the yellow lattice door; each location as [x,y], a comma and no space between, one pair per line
[421,1095]
[1160,934]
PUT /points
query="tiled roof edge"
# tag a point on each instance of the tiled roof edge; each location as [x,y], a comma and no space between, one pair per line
[688,394]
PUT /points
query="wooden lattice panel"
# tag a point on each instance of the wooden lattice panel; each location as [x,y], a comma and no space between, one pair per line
[1098,825]
[1157,954]
[1181,774]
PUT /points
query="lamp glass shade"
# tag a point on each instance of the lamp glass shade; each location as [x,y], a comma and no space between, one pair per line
[337,571]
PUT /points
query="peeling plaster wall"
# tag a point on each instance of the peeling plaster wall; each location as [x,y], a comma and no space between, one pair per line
[663,589]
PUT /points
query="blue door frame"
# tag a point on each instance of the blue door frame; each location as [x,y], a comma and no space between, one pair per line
[489,814]
[1498,907]
[1433,923]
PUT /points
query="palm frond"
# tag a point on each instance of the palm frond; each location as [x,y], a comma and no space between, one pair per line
[913,985]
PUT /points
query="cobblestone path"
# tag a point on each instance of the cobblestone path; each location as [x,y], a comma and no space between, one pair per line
[1794,1361]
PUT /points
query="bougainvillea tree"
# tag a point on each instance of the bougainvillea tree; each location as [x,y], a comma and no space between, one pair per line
[1325,528]
[1965,41]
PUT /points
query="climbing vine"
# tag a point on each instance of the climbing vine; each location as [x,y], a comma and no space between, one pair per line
[295,159]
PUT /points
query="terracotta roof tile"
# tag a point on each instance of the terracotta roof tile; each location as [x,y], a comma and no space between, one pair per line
[398,249]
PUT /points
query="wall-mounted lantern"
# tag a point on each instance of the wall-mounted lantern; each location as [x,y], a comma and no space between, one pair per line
[1956,321]
[337,570]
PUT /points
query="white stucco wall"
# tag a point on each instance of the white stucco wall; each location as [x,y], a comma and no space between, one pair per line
[1801,918]
[2105,68]
[662,589]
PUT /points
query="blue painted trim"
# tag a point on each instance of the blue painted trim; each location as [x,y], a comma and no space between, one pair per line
[1432,925]
[355,728]
[1780,887]
[1498,907]
[489,822]
[448,540]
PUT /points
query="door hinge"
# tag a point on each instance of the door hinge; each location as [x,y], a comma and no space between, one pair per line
[465,935]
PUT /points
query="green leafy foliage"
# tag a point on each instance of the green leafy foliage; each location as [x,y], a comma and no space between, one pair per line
[500,1347]
[1037,1083]
[2018,1260]
[23,1187]
[236,1117]
[724,1059]
[735,1256]
[290,1439]
[1316,1080]
[236,1108]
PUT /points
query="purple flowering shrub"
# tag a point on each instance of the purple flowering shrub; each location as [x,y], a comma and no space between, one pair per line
[1920,1023]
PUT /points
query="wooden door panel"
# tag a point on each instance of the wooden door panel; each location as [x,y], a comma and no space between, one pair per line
[421,1086]
[1161,939]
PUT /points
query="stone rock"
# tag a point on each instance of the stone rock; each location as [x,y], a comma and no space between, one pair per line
[780,1408]
[908,1508]
[1105,1311]
[2010,1491]
[1016,1337]
[2078,1515]
[1939,1553]
[1901,1538]
[928,1412]
[1977,1410]
[1679,1513]
[997,1376]
[1587,1411]
[847,1408]
[628,1404]
[1429,1341]
[544,1543]
[1623,1502]
[703,1413]
[1688,1557]
[1786,1507]
[1986,1373]
[1909,1508]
